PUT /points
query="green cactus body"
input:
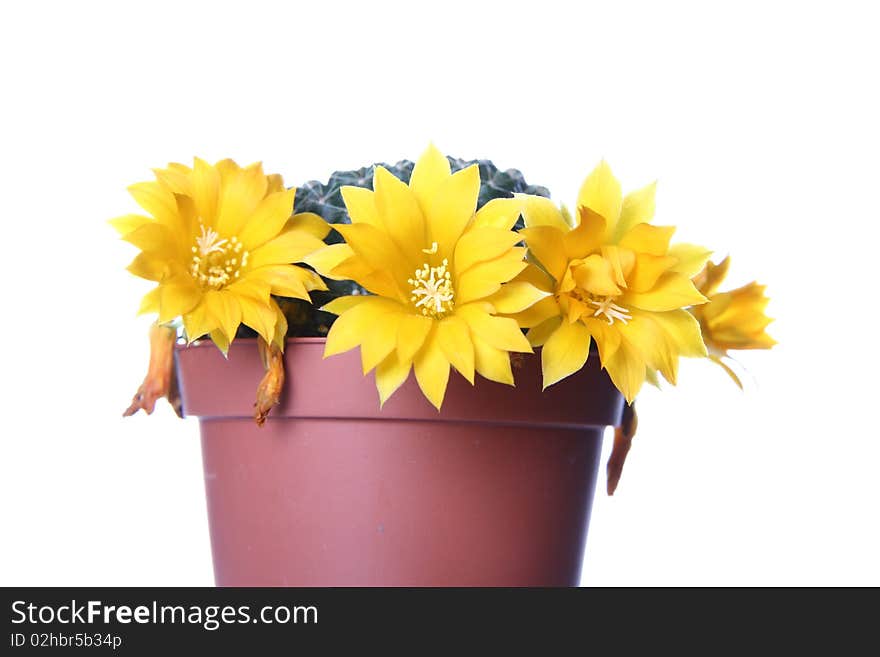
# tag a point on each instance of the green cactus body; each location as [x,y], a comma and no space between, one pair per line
[325,199]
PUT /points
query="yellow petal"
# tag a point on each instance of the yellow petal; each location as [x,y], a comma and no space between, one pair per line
[486,278]
[491,363]
[429,174]
[482,244]
[380,340]
[454,338]
[762,341]
[515,297]
[188,218]
[682,331]
[646,271]
[327,258]
[452,207]
[361,206]
[399,212]
[627,370]
[150,302]
[587,237]
[288,281]
[649,338]
[537,277]
[391,373]
[260,317]
[537,314]
[411,335]
[645,238]
[622,262]
[289,247]
[432,371]
[239,196]
[148,267]
[567,284]
[228,169]
[566,214]
[310,279]
[577,309]
[708,280]
[257,288]
[176,178]
[499,213]
[600,193]
[378,250]
[177,296]
[158,201]
[606,336]
[226,310]
[198,322]
[268,218]
[206,189]
[717,360]
[376,281]
[498,332]
[155,239]
[222,342]
[746,307]
[310,223]
[128,223]
[274,183]
[596,276]
[564,352]
[691,258]
[538,335]
[671,292]
[211,307]
[736,319]
[280,336]
[547,245]
[540,211]
[349,329]
[340,304]
[638,207]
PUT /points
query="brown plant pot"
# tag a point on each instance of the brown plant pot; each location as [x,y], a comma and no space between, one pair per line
[494,491]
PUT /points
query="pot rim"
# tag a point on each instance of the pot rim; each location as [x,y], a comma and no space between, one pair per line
[207,342]
[215,387]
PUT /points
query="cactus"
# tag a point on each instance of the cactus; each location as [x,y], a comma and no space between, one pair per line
[325,200]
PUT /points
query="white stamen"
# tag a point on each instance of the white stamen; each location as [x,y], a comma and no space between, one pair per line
[432,289]
[212,265]
[432,250]
[209,241]
[611,310]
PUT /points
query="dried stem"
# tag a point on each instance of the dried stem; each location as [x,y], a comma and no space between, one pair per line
[269,390]
[160,380]
[623,437]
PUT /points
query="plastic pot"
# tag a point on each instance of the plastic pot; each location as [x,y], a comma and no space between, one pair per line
[495,490]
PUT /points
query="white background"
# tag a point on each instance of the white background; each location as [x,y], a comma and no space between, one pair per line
[760,121]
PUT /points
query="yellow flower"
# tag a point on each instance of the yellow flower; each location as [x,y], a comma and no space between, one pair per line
[436,270]
[731,320]
[219,241]
[614,279]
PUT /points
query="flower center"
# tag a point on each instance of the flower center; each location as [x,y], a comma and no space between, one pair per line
[610,310]
[216,262]
[432,288]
